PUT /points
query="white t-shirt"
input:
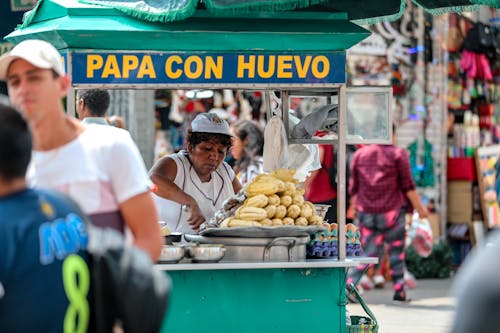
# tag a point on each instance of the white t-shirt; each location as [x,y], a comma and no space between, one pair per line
[100,169]
[209,195]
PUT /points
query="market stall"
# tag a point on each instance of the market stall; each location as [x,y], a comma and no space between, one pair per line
[294,53]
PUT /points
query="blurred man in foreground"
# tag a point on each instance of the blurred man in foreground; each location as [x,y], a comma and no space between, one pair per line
[98,166]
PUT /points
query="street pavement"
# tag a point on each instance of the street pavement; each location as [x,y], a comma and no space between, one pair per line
[431,309]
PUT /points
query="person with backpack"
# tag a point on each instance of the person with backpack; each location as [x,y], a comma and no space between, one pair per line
[58,272]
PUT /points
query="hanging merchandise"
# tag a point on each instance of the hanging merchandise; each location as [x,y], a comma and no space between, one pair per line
[455,37]
[175,113]
[422,163]
[398,87]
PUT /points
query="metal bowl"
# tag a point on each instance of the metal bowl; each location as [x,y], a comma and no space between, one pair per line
[171,254]
[321,210]
[207,252]
[174,237]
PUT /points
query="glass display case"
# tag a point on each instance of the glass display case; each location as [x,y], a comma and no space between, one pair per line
[314,116]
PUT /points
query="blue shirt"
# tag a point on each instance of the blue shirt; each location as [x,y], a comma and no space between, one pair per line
[43,265]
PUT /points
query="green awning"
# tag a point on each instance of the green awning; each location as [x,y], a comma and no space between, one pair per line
[365,10]
[216,25]
[72,24]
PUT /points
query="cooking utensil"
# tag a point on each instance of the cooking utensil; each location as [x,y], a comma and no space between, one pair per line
[321,209]
[171,254]
[206,252]
[257,249]
[174,237]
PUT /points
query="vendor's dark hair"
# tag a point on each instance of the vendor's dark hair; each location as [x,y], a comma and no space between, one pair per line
[96,100]
[194,138]
[15,144]
[247,129]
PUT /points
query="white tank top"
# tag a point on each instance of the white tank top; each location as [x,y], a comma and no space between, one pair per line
[209,195]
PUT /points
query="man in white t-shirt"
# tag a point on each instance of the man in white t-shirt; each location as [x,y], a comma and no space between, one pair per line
[92,105]
[98,166]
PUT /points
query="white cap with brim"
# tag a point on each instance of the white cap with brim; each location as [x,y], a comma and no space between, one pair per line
[210,123]
[39,53]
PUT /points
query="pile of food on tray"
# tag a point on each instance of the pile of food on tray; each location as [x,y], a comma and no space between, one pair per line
[271,199]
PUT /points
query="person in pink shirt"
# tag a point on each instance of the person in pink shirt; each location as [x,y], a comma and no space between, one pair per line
[381,187]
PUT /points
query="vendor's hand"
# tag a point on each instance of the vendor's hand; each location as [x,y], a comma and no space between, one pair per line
[196,218]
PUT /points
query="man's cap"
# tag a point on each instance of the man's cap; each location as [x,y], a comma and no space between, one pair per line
[39,53]
[210,123]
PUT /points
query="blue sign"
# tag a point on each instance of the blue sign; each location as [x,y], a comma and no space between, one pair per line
[138,68]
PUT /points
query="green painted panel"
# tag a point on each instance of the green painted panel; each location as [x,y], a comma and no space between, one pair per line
[260,300]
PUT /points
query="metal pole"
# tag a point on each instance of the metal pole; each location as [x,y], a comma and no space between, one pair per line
[70,96]
[341,173]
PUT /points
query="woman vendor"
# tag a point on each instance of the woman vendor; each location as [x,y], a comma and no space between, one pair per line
[193,184]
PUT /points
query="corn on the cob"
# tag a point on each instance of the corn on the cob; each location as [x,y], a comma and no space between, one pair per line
[293,211]
[260,200]
[280,212]
[251,213]
[243,223]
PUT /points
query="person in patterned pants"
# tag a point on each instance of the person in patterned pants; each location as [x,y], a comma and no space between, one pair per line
[381,188]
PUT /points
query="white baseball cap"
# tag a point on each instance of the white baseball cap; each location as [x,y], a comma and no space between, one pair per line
[210,123]
[39,53]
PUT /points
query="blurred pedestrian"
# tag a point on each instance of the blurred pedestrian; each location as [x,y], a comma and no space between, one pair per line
[320,187]
[380,187]
[116,121]
[248,145]
[49,252]
[98,166]
[92,105]
[477,288]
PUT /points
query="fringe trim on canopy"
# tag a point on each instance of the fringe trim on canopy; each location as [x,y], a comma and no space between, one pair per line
[388,18]
[29,15]
[444,10]
[253,7]
[491,3]
[142,14]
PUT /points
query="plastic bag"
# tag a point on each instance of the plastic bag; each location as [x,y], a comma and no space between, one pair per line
[279,154]
[275,144]
[421,236]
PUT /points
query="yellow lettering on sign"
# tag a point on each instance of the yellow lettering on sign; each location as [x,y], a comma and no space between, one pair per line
[111,67]
[169,71]
[246,66]
[198,67]
[130,62]
[147,68]
[212,68]
[284,66]
[94,62]
[270,68]
[315,67]
[302,68]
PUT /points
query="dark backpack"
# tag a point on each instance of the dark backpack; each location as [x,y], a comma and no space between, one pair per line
[126,287]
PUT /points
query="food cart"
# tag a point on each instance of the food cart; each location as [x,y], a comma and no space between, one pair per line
[299,53]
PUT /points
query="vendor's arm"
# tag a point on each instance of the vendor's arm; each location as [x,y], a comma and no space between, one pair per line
[141,217]
[417,204]
[408,185]
[163,174]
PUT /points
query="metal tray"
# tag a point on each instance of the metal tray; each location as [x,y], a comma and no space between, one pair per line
[258,232]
